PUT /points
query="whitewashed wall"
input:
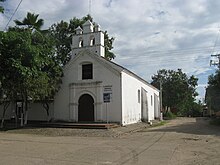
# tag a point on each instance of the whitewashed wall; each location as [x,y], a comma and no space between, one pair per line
[98,48]
[156,106]
[35,112]
[131,108]
[66,100]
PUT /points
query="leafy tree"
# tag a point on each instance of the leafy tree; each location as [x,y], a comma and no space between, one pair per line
[62,32]
[214,79]
[5,102]
[28,67]
[31,21]
[196,110]
[1,7]
[178,90]
[213,91]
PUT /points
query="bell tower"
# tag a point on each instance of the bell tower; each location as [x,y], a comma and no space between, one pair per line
[89,37]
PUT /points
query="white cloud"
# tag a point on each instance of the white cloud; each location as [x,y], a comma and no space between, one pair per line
[150,35]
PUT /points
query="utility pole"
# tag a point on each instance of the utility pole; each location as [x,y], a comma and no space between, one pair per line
[161,105]
[212,62]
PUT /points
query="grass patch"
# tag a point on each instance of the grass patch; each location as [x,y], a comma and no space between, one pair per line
[160,123]
[169,116]
[215,122]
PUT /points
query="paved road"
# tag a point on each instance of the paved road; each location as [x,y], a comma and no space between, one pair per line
[182,141]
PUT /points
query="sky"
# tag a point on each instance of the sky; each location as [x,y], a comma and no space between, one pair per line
[149,34]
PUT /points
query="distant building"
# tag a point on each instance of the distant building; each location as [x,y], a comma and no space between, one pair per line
[97,90]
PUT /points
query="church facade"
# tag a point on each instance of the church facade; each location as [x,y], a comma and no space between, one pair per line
[95,89]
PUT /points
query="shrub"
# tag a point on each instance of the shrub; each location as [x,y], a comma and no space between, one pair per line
[169,115]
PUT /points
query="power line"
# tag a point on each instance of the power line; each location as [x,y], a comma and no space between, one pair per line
[175,55]
[13,15]
[217,55]
[170,58]
[182,51]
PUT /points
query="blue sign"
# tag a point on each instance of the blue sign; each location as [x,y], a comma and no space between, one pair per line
[106,97]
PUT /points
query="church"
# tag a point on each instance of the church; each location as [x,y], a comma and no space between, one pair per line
[95,89]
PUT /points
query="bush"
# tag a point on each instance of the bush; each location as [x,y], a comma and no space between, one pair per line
[195,113]
[169,115]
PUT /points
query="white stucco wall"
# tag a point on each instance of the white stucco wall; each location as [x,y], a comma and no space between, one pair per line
[157,106]
[98,48]
[35,111]
[66,100]
[131,108]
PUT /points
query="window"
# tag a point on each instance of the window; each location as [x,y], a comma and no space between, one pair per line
[87,72]
[80,42]
[139,96]
[92,41]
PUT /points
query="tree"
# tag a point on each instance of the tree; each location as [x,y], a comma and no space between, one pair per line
[178,90]
[214,79]
[31,21]
[62,32]
[1,7]
[213,91]
[28,69]
[3,101]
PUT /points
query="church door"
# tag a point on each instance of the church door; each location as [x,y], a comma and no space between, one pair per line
[86,108]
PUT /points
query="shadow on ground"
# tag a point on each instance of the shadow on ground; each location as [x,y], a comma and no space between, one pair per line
[197,126]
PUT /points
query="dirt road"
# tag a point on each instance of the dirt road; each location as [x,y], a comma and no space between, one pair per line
[180,142]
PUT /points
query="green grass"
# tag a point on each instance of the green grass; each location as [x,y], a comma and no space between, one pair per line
[215,122]
[160,123]
[169,116]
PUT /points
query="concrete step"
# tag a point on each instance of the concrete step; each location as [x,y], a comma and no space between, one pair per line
[75,125]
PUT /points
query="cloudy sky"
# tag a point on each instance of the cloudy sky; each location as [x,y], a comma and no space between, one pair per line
[149,34]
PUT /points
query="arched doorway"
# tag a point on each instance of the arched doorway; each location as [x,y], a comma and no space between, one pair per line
[86,108]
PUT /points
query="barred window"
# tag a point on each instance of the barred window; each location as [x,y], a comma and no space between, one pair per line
[87,71]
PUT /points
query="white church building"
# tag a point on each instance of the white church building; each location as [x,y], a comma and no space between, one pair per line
[95,89]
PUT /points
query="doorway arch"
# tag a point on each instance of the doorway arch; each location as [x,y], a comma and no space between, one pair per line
[86,108]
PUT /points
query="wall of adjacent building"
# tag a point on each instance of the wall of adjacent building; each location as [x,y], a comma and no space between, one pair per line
[9,112]
[131,103]
[35,112]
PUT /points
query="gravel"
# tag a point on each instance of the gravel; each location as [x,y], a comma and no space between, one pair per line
[112,132]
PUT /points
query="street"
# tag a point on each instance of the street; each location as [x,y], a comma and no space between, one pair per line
[181,141]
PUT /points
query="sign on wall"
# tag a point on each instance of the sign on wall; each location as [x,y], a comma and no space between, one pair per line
[107,97]
[107,94]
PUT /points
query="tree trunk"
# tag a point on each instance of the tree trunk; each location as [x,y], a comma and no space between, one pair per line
[25,111]
[22,119]
[47,107]
[25,117]
[22,115]
[6,104]
[16,115]
[167,109]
